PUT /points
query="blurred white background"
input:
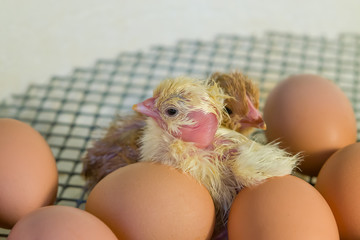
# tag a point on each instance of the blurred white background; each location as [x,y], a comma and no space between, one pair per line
[43,38]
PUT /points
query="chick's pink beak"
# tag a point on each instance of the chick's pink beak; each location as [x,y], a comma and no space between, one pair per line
[147,108]
[253,118]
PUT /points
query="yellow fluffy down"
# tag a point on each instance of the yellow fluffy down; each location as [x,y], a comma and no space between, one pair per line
[191,95]
[231,162]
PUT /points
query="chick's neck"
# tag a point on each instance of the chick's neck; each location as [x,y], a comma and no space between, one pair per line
[202,132]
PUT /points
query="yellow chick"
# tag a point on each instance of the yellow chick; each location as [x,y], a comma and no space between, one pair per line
[120,145]
[183,130]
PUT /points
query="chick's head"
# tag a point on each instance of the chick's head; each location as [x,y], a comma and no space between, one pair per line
[244,104]
[186,108]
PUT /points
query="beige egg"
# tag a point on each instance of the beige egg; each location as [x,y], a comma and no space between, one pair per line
[60,223]
[281,208]
[153,201]
[28,173]
[339,183]
[311,115]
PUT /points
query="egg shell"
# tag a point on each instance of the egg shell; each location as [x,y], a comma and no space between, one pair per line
[153,201]
[311,115]
[281,208]
[339,183]
[28,173]
[59,223]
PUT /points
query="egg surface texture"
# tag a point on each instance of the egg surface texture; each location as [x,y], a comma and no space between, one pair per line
[60,223]
[311,115]
[339,183]
[281,208]
[153,201]
[28,173]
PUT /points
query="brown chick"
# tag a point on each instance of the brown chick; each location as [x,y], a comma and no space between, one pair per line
[120,146]
[243,107]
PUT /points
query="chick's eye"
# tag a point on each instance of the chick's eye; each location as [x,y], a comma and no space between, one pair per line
[228,110]
[171,112]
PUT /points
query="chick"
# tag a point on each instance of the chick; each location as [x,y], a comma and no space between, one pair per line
[120,146]
[183,130]
[243,107]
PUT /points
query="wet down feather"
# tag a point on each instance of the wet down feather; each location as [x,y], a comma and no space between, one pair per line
[120,144]
[183,130]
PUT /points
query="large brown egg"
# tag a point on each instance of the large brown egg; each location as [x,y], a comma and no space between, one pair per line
[281,208]
[339,182]
[28,173]
[60,223]
[153,201]
[311,115]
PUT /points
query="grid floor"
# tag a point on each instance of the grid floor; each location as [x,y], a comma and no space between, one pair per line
[71,111]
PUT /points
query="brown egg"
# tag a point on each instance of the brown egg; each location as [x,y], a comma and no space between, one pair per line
[281,208]
[153,201]
[28,173]
[60,223]
[339,183]
[309,114]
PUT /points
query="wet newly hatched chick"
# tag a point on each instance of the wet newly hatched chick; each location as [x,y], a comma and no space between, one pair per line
[183,130]
[120,146]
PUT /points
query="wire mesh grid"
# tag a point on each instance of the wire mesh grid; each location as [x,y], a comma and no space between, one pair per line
[71,111]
